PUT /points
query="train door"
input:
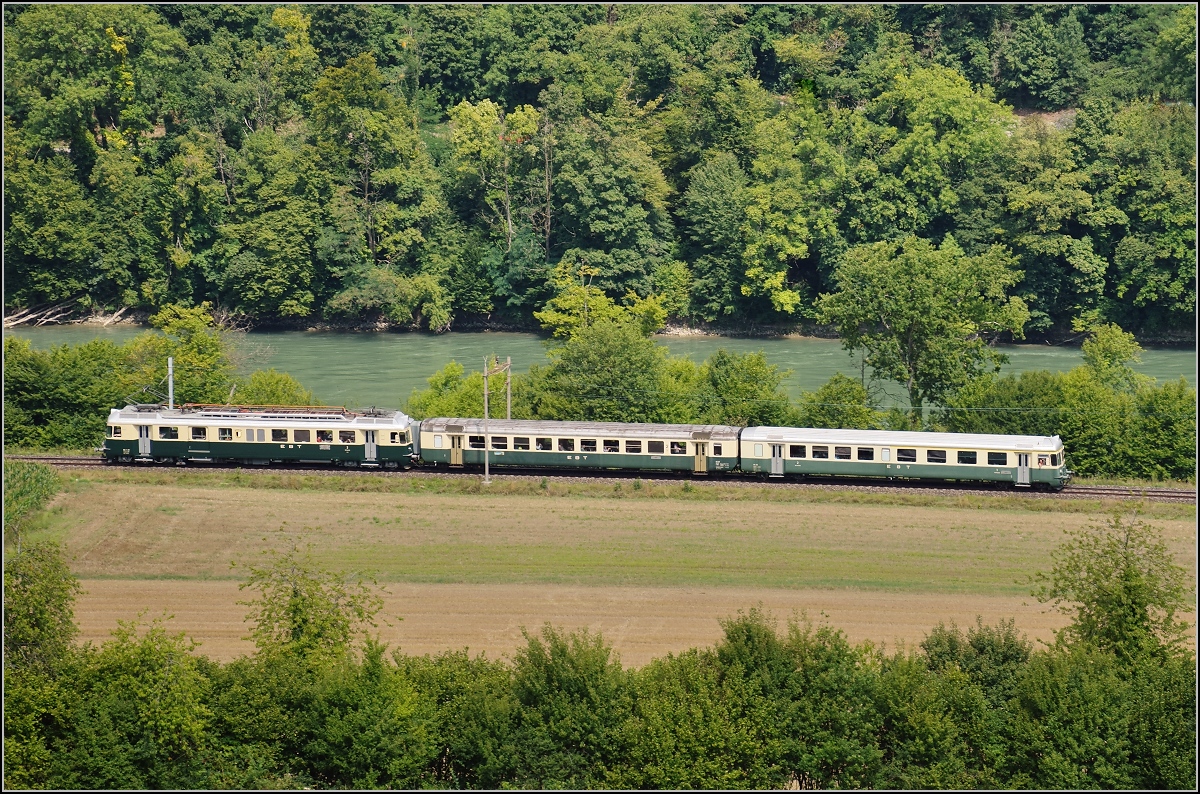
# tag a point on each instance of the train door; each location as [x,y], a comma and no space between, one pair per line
[777,460]
[701,466]
[143,439]
[370,450]
[1022,469]
[456,451]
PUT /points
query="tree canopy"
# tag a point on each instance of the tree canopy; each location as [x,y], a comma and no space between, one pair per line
[418,164]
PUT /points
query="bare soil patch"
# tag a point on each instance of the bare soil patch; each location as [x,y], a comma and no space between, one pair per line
[641,623]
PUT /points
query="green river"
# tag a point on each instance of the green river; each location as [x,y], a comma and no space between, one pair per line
[382,369]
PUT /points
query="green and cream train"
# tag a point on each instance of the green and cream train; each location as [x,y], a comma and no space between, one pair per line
[389,439]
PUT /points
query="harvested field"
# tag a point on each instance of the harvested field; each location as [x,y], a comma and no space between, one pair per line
[653,574]
[641,623]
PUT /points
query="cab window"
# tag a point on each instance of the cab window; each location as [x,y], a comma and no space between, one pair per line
[114,431]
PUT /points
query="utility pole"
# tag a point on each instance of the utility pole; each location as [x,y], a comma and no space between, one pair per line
[170,382]
[488,371]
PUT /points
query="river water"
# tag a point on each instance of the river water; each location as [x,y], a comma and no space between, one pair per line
[382,369]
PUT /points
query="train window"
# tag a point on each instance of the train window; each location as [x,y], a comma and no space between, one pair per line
[278,435]
[168,432]
[1053,458]
[997,458]
[224,434]
[437,442]
[866,453]
[633,447]
[967,458]
[820,452]
[1042,460]
[304,436]
[758,450]
[797,451]
[566,445]
[199,433]
[587,445]
[544,444]
[475,442]
[324,436]
[499,442]
[612,445]
[906,455]
[678,447]
[520,443]
[114,431]
[654,447]
[935,456]
[108,430]
[347,436]
[841,453]
[885,454]
[262,434]
[716,449]
[396,438]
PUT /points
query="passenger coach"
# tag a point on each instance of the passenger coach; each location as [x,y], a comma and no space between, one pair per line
[585,445]
[258,435]
[1022,460]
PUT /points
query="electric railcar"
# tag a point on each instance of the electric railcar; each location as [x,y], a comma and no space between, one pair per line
[259,435]
[390,439]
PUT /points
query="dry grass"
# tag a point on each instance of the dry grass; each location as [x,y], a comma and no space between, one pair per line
[642,623]
[654,572]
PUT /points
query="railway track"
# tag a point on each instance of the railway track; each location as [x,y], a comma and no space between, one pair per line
[1071,491]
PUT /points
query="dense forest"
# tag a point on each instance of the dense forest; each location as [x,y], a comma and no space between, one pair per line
[425,164]
[322,703]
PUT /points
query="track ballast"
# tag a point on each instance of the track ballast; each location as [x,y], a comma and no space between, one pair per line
[558,475]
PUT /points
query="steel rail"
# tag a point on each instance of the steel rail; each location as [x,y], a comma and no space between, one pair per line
[583,475]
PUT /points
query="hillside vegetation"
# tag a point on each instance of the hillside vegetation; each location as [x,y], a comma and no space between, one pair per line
[727,164]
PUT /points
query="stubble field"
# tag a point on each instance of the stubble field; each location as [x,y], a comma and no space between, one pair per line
[653,570]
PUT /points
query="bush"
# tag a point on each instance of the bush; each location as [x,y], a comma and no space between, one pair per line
[27,489]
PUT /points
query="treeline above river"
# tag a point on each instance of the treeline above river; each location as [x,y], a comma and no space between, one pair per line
[416,165]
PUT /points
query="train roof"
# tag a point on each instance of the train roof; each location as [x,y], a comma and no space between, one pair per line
[900,438]
[575,429]
[255,415]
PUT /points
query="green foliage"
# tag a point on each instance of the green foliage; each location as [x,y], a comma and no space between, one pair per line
[924,316]
[61,397]
[27,489]
[268,387]
[303,609]
[1120,585]
[39,606]
[839,402]
[411,164]
[1112,420]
